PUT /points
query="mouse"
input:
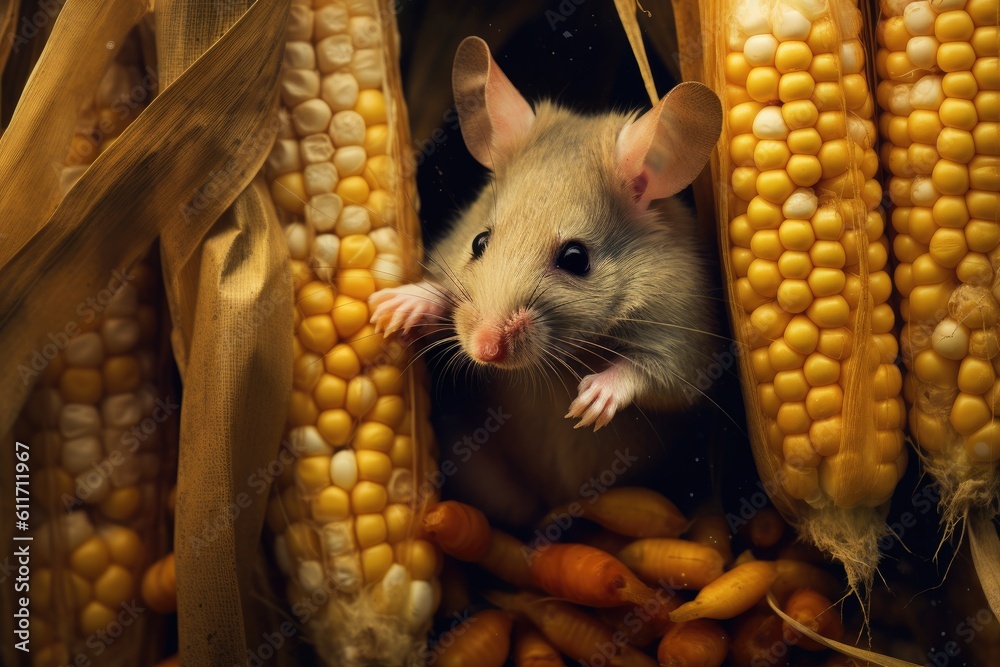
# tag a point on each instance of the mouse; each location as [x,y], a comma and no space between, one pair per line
[575,283]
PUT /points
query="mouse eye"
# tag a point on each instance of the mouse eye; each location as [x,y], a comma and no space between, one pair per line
[479,244]
[573,258]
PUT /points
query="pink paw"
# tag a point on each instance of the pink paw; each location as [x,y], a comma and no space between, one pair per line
[600,397]
[406,306]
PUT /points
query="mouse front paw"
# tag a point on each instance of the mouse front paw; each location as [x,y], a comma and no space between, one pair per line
[601,396]
[407,306]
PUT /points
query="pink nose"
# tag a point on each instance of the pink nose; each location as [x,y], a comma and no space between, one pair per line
[489,346]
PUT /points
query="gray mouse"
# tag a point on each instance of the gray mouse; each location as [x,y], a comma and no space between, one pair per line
[578,276]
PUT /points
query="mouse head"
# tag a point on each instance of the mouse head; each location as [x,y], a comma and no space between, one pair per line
[564,243]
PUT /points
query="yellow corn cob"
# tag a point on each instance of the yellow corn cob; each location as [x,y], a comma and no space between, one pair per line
[806,255]
[940,92]
[345,512]
[97,450]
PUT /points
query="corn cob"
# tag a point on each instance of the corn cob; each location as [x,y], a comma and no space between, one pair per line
[346,512]
[95,426]
[806,258]
[940,94]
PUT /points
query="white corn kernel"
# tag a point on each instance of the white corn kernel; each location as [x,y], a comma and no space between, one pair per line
[386,240]
[310,575]
[789,24]
[330,20]
[299,55]
[918,17]
[347,129]
[300,24]
[80,453]
[338,538]
[800,205]
[366,65]
[299,85]
[769,124]
[121,410]
[306,441]
[334,52]
[325,249]
[311,117]
[284,157]
[316,148]
[322,212]
[350,160]
[85,350]
[759,50]
[354,219]
[124,302]
[340,90]
[420,604]
[320,178]
[77,420]
[344,469]
[365,32]
[387,270]
[927,93]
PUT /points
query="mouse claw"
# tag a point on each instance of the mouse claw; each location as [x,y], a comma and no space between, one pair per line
[600,397]
[404,307]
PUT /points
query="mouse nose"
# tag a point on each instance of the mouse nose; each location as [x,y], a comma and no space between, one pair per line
[489,346]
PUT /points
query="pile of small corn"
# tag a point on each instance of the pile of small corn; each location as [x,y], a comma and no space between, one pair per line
[940,94]
[344,510]
[807,259]
[95,427]
[568,611]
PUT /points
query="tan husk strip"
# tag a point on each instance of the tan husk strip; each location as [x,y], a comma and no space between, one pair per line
[173,152]
[8,18]
[230,298]
[133,190]
[869,657]
[58,86]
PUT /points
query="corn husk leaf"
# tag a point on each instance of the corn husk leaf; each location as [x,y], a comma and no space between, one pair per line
[162,173]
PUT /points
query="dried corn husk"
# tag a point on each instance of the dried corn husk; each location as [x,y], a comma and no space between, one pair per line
[150,180]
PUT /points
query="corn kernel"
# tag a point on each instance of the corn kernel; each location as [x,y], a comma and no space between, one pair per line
[331,504]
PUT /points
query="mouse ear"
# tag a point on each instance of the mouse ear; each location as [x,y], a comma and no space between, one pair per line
[491,112]
[667,147]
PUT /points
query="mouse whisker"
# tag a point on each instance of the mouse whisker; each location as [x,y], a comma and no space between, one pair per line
[565,365]
[427,350]
[736,423]
[589,351]
[574,357]
[418,243]
[677,326]
[552,371]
